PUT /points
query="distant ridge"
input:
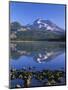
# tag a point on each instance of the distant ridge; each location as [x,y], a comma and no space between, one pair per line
[39,30]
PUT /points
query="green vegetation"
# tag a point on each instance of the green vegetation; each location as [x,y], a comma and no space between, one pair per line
[36,35]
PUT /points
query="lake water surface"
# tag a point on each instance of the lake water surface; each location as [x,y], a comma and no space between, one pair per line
[36,56]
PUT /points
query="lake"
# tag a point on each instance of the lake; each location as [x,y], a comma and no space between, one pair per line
[37,63]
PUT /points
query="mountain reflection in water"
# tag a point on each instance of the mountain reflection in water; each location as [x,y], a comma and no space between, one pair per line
[32,57]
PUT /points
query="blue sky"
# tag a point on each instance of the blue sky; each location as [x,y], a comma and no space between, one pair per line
[27,13]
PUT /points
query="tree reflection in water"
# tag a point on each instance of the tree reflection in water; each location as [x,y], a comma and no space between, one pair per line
[41,52]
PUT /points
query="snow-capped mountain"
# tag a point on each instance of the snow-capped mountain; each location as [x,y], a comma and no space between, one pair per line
[38,24]
[46,25]
[39,30]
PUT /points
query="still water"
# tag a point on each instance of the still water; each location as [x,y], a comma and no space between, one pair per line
[35,57]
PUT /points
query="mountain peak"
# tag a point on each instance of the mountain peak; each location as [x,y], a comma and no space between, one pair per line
[46,25]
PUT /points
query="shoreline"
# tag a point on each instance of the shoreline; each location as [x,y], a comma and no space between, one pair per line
[34,41]
[59,42]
